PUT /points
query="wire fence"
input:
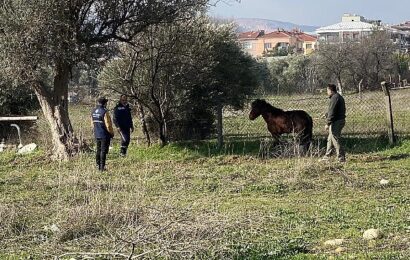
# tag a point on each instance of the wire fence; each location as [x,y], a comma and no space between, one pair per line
[366,114]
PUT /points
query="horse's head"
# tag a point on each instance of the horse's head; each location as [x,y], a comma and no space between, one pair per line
[257,107]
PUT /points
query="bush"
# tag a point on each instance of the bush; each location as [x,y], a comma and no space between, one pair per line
[16,100]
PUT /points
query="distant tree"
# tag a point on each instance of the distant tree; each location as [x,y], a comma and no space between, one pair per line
[301,74]
[278,80]
[264,78]
[372,59]
[351,63]
[334,60]
[40,35]
[401,65]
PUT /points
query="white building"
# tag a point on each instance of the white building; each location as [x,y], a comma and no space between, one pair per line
[351,28]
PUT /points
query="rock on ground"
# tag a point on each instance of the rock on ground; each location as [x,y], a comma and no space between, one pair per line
[372,234]
[334,242]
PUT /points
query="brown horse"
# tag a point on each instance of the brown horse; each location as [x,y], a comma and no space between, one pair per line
[280,122]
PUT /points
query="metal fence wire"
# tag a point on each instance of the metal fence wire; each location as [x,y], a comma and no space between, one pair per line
[365,116]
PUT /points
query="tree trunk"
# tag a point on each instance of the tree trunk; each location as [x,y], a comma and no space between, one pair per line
[162,134]
[144,123]
[339,85]
[55,109]
[220,126]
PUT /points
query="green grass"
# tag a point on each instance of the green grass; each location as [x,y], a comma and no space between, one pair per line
[191,200]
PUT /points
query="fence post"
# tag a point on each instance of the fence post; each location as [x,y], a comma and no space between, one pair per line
[219,127]
[360,89]
[389,112]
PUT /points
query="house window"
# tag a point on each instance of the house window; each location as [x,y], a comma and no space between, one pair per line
[309,46]
[268,46]
[247,45]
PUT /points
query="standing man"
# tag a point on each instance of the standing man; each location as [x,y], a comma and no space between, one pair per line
[103,132]
[336,119]
[123,122]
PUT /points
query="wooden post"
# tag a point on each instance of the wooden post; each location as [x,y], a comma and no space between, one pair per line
[219,126]
[389,112]
[360,89]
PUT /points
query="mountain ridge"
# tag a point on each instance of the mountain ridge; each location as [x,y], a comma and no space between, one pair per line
[255,24]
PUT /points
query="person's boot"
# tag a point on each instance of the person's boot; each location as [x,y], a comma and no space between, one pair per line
[123,152]
[102,167]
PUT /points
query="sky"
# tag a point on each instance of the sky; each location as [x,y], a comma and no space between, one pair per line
[314,12]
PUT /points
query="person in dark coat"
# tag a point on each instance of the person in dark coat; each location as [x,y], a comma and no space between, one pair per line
[103,132]
[123,122]
[336,120]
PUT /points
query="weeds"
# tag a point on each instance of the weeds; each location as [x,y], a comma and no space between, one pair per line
[178,203]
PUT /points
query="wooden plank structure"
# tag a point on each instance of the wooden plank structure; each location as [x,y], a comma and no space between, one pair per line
[17,118]
[14,120]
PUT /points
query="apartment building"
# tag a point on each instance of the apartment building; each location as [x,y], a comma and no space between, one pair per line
[277,43]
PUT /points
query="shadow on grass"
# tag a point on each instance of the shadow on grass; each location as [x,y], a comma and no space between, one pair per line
[252,146]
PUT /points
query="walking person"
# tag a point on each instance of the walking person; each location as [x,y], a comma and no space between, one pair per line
[123,122]
[336,120]
[103,132]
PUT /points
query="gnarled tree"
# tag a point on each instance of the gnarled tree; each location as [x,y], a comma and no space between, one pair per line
[41,41]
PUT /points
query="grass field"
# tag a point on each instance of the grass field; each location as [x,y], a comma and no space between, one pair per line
[193,201]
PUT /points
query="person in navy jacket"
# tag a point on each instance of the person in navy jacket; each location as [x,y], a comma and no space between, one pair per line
[103,131]
[123,122]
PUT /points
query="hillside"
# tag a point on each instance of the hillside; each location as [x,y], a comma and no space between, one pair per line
[253,24]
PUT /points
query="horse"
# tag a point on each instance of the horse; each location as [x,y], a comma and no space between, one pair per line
[281,122]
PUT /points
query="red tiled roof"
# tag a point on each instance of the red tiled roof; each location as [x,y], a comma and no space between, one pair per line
[306,37]
[278,34]
[250,35]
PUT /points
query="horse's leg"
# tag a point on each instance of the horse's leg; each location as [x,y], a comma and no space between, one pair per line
[298,138]
[306,139]
[275,137]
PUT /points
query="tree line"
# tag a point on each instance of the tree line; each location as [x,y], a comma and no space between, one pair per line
[353,66]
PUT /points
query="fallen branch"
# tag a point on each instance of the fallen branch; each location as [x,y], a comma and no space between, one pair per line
[91,254]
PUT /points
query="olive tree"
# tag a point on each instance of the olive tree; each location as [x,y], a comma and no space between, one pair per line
[179,73]
[43,39]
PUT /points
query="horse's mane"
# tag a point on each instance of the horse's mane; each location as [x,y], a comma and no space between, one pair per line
[268,107]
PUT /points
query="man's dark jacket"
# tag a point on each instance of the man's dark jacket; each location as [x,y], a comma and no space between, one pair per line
[122,117]
[337,109]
